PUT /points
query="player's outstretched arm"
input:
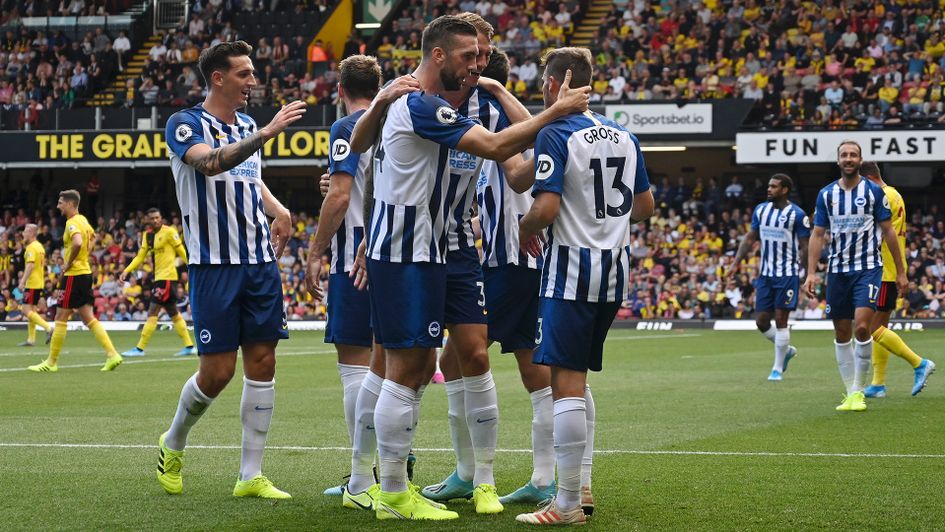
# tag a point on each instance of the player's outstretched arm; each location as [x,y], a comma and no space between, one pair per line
[519,173]
[213,161]
[802,244]
[135,262]
[815,247]
[500,146]
[514,109]
[743,248]
[368,127]
[892,242]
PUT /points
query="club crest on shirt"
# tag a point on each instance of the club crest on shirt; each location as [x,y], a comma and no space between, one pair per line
[860,202]
[445,115]
[782,218]
[183,132]
[544,167]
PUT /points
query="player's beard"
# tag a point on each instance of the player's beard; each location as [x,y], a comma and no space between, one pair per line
[450,82]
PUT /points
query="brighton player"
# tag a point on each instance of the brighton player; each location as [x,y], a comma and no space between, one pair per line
[235,287]
[407,235]
[341,228]
[164,244]
[32,283]
[75,286]
[856,212]
[591,184]
[784,230]
[886,341]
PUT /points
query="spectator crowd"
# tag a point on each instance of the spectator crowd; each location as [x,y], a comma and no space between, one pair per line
[678,259]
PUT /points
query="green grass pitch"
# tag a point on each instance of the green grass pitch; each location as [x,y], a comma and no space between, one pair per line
[690,436]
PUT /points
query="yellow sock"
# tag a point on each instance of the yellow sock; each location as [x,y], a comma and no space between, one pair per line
[180,327]
[36,319]
[880,361]
[149,327]
[55,345]
[896,346]
[31,332]
[102,336]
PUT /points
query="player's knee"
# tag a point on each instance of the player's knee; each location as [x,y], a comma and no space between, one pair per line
[763,323]
[476,362]
[862,332]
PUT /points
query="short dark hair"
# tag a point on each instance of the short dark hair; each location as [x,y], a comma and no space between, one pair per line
[360,76]
[481,25]
[153,210]
[869,168]
[851,142]
[577,60]
[785,181]
[71,195]
[439,33]
[217,57]
[498,67]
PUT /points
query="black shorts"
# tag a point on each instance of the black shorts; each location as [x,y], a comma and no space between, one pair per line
[75,291]
[32,296]
[164,293]
[888,294]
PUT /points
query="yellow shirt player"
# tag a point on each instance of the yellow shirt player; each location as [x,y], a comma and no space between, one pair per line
[75,286]
[164,244]
[32,284]
[886,341]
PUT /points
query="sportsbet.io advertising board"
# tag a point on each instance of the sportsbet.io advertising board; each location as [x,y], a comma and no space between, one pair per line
[821,147]
[141,148]
[663,118]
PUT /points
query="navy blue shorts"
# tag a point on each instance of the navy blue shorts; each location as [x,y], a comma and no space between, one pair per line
[236,304]
[512,305]
[349,313]
[407,303]
[465,293]
[847,292]
[776,293]
[571,334]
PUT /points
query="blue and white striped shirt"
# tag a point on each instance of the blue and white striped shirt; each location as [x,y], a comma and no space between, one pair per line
[411,187]
[597,167]
[852,217]
[500,209]
[779,231]
[482,108]
[224,220]
[345,242]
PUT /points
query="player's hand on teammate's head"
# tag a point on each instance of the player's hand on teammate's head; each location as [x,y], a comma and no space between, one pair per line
[323,183]
[397,88]
[287,115]
[573,100]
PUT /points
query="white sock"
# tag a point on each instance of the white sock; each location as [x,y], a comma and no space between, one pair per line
[365,439]
[256,413]
[416,407]
[570,440]
[543,443]
[845,363]
[587,461]
[393,422]
[351,377]
[782,339]
[482,417]
[863,352]
[459,431]
[193,403]
[769,334]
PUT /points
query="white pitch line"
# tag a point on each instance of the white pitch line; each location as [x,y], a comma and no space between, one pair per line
[652,337]
[175,359]
[519,451]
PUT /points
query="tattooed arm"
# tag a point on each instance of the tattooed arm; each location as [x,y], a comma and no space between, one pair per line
[213,161]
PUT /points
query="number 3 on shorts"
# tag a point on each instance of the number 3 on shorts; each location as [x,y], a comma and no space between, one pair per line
[538,339]
[482,294]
